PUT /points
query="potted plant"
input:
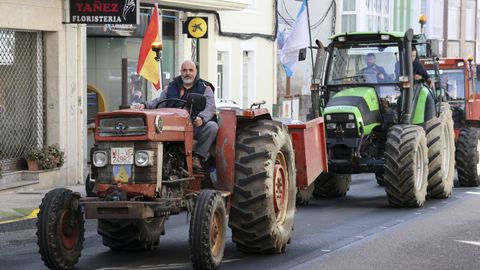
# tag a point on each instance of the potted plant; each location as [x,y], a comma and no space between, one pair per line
[52,157]
[33,155]
[44,158]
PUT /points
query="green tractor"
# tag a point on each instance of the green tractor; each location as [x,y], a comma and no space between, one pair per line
[378,119]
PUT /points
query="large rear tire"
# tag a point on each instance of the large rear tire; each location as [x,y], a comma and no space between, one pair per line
[263,200]
[331,185]
[60,229]
[467,156]
[406,166]
[441,149]
[208,227]
[131,234]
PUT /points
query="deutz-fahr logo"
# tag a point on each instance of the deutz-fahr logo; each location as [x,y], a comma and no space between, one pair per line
[120,128]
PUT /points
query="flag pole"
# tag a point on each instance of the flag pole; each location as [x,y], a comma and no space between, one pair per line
[160,26]
[309,33]
[314,94]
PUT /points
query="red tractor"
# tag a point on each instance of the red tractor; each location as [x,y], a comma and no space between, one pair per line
[142,166]
[460,79]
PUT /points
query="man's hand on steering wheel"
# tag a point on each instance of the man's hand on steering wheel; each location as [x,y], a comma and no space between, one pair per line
[198,121]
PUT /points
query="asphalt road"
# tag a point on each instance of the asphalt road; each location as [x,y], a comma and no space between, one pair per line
[360,231]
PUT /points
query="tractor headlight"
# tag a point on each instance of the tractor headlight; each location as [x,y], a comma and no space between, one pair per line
[100,159]
[328,117]
[143,158]
[158,124]
[351,117]
[331,125]
[350,125]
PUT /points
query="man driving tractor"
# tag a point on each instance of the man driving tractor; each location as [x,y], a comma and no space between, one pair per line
[205,130]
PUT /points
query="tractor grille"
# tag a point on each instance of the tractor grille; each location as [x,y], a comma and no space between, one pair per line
[122,126]
[139,175]
[341,130]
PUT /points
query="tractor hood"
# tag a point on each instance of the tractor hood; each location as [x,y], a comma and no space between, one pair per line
[362,102]
[148,125]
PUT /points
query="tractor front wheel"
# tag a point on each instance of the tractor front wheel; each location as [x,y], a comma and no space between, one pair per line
[60,229]
[208,227]
[406,166]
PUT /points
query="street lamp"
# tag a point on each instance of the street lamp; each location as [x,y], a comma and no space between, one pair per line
[157,47]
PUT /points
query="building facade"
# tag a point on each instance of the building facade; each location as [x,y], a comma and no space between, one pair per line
[54,76]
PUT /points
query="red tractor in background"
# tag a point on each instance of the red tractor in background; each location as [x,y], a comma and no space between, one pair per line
[142,166]
[460,79]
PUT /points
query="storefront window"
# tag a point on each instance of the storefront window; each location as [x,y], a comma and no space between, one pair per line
[106,47]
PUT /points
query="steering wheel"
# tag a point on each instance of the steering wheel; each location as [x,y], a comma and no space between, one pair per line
[193,114]
[182,101]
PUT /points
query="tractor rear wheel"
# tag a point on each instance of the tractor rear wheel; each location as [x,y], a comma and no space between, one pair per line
[60,229]
[441,161]
[208,227]
[263,200]
[131,234]
[467,156]
[406,166]
[331,185]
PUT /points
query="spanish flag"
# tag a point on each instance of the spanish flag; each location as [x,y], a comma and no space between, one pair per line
[147,66]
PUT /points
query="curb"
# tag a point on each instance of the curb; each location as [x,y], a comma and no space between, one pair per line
[10,219]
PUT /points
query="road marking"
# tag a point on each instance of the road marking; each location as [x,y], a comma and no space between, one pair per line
[326,250]
[32,214]
[473,193]
[469,242]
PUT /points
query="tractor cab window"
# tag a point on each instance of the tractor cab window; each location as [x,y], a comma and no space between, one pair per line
[453,82]
[363,64]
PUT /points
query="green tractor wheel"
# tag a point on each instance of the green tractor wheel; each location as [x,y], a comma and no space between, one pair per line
[406,166]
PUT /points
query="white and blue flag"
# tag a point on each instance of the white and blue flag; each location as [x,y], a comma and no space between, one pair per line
[297,39]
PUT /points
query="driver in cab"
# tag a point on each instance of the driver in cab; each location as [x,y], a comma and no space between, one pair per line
[205,130]
[374,73]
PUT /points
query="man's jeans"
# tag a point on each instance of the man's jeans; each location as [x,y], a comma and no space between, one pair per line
[205,136]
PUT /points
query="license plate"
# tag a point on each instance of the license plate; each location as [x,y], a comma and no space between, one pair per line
[122,155]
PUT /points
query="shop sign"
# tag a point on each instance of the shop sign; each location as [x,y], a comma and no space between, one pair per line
[197,27]
[104,11]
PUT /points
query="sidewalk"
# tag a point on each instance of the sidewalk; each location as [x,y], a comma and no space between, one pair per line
[24,204]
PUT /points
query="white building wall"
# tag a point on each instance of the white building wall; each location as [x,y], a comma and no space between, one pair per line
[64,62]
[257,80]
[256,17]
